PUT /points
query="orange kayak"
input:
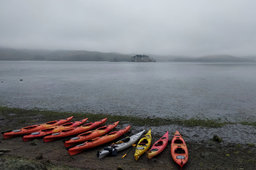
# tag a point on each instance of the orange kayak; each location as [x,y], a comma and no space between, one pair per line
[90,134]
[98,141]
[53,129]
[179,150]
[158,146]
[73,131]
[34,128]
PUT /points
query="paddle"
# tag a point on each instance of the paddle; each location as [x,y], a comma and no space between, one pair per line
[133,145]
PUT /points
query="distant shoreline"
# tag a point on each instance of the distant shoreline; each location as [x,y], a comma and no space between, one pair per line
[10,54]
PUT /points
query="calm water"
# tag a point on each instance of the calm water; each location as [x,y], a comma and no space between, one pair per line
[183,90]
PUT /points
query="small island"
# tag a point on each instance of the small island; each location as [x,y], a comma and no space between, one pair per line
[142,58]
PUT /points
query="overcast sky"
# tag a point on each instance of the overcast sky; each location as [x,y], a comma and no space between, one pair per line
[166,27]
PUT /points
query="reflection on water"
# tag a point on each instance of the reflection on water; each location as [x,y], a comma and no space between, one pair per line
[183,90]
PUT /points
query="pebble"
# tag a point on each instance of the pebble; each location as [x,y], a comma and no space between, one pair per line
[39,156]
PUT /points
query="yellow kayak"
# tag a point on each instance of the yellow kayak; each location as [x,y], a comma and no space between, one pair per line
[143,145]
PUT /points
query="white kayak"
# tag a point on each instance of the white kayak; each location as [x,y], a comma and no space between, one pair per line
[119,145]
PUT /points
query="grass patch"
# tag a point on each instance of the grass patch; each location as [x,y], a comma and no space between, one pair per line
[248,123]
[46,115]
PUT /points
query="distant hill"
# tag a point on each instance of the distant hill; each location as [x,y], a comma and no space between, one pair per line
[60,55]
[214,58]
[82,55]
[141,58]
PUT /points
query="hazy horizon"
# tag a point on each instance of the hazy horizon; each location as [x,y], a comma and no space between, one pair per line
[163,28]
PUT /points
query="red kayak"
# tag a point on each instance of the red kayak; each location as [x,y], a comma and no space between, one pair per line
[179,150]
[34,128]
[90,134]
[98,141]
[53,129]
[74,131]
[158,146]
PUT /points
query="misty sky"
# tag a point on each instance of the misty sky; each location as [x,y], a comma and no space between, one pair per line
[166,27]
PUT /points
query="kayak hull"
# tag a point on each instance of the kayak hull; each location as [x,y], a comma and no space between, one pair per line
[34,128]
[98,141]
[179,150]
[73,131]
[143,145]
[158,146]
[54,129]
[120,145]
[90,134]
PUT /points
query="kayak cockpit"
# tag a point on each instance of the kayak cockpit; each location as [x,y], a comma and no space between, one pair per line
[67,124]
[160,143]
[179,151]
[86,133]
[143,142]
[47,130]
[51,122]
[178,141]
[102,128]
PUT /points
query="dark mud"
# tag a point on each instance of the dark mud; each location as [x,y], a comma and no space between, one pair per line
[204,153]
[230,133]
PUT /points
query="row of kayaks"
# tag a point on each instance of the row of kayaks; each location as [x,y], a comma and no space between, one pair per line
[84,137]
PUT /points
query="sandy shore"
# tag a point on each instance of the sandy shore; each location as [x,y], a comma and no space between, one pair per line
[206,154]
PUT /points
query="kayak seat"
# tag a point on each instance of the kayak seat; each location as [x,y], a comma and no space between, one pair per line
[47,130]
[179,151]
[112,151]
[88,124]
[144,142]
[154,149]
[67,124]
[126,139]
[112,133]
[178,141]
[67,130]
[102,128]
[160,143]
[86,133]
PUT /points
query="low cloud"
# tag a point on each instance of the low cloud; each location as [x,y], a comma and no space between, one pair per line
[147,26]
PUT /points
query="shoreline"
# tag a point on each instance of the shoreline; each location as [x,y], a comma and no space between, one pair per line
[204,154]
[138,121]
[234,133]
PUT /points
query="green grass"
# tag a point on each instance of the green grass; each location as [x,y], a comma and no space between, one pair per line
[52,115]
[249,123]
